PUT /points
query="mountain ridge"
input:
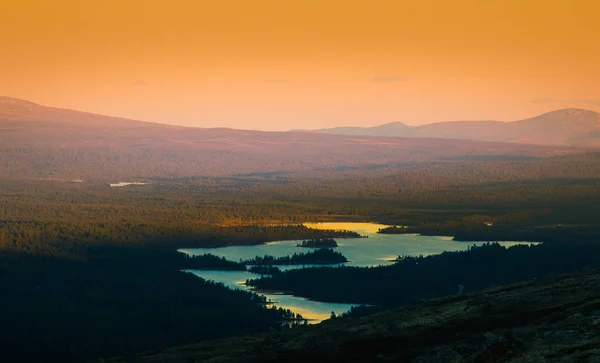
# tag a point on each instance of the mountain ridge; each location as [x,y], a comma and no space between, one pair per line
[567,127]
[46,142]
[570,126]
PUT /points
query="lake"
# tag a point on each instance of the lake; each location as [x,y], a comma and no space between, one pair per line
[378,249]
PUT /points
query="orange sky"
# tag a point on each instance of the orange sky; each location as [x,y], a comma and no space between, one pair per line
[284,64]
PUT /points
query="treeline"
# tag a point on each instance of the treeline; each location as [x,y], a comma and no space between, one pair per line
[261,264]
[396,230]
[265,269]
[478,230]
[323,256]
[318,243]
[66,237]
[209,261]
[414,279]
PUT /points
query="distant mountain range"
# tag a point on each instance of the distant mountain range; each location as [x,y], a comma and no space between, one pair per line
[39,142]
[571,126]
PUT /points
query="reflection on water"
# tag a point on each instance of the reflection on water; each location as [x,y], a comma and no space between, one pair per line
[313,310]
[360,228]
[378,249]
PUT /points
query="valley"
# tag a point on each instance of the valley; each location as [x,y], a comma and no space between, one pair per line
[299,181]
[95,213]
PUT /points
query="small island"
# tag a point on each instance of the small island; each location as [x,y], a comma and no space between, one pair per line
[318,243]
[395,230]
[324,256]
[265,270]
[211,262]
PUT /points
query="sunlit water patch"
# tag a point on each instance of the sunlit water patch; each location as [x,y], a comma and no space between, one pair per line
[124,184]
[313,310]
[376,250]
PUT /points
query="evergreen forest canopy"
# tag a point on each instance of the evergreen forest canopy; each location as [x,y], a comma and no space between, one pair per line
[51,217]
[322,256]
[262,264]
[318,243]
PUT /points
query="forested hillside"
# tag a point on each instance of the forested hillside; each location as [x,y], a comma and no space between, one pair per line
[45,143]
[117,301]
[551,319]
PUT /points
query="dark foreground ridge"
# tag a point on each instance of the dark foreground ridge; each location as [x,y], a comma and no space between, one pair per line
[554,319]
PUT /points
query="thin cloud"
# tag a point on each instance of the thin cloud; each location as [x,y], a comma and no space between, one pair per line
[277,80]
[589,102]
[140,83]
[550,100]
[546,100]
[389,79]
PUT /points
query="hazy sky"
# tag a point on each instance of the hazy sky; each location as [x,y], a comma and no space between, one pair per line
[284,64]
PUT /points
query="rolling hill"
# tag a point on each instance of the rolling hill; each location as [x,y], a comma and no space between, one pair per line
[38,142]
[573,127]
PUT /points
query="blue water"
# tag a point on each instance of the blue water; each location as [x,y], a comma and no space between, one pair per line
[378,249]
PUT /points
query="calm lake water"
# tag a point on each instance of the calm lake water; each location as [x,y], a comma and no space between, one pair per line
[376,250]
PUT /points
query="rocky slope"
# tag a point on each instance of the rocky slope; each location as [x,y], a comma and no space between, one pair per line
[547,320]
